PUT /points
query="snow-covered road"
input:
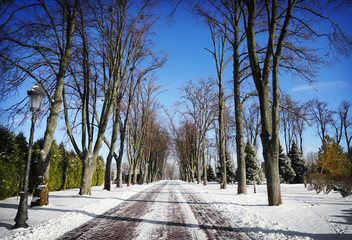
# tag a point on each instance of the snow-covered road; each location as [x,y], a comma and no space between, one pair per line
[165,211]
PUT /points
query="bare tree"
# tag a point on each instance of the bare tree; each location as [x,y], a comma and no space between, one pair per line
[28,55]
[285,23]
[219,54]
[292,118]
[199,100]
[251,117]
[321,117]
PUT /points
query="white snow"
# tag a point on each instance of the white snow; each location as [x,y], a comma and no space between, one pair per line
[303,215]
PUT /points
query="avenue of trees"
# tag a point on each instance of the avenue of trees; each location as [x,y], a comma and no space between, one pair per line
[97,63]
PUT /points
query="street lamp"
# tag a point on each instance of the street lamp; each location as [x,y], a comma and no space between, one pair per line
[36,95]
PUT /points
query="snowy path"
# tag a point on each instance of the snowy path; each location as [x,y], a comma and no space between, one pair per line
[165,211]
[179,210]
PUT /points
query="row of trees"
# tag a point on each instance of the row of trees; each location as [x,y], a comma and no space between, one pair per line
[65,170]
[95,60]
[261,39]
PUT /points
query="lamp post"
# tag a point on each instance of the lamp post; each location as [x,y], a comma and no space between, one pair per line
[36,95]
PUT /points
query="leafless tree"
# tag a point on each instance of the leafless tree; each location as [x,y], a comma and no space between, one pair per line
[320,116]
[198,99]
[36,46]
[286,24]
[293,120]
[251,117]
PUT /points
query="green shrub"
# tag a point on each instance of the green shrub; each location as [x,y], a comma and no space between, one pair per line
[56,171]
[65,167]
[13,152]
[73,171]
[325,183]
[98,175]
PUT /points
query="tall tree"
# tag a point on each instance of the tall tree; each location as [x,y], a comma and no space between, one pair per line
[120,29]
[286,24]
[219,55]
[45,60]
[342,125]
[226,18]
[292,118]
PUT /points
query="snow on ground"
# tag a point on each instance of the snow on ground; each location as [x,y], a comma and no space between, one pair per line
[66,211]
[303,215]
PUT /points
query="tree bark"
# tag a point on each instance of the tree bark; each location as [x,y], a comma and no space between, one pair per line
[205,177]
[89,165]
[41,194]
[240,145]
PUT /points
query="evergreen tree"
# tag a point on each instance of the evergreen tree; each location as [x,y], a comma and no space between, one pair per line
[287,173]
[298,163]
[253,169]
[210,173]
[230,171]
[11,164]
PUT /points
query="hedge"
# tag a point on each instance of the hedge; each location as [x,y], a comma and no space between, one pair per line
[65,167]
[325,183]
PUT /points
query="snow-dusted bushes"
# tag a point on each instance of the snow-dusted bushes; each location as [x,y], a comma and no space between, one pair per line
[325,183]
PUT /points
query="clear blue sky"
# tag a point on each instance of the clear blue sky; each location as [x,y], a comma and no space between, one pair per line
[185,39]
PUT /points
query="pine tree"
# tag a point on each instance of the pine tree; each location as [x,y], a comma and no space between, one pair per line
[230,171]
[210,173]
[298,163]
[254,171]
[286,171]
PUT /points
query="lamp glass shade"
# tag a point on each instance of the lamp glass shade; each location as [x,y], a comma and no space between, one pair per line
[36,95]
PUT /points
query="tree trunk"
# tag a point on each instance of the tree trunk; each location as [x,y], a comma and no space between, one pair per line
[129,180]
[145,176]
[89,165]
[107,176]
[135,174]
[205,177]
[254,186]
[222,158]
[240,145]
[41,194]
[198,169]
